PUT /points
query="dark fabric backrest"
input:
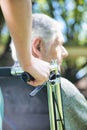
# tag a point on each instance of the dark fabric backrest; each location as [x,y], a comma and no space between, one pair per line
[21,111]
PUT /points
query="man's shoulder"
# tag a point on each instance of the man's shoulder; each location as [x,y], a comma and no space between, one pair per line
[69,88]
[65,83]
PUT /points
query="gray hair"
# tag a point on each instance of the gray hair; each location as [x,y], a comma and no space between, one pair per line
[44,27]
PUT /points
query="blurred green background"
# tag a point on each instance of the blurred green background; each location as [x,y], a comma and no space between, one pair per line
[73,17]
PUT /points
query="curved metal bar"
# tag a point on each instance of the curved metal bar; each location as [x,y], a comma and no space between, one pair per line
[56,114]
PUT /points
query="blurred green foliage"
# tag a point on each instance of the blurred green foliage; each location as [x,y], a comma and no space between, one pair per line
[71,13]
[4,34]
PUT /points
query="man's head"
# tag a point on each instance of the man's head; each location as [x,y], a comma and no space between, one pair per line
[47,39]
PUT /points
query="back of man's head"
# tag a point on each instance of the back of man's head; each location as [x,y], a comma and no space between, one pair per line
[44,27]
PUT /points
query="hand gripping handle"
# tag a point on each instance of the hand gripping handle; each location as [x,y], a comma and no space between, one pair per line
[26,77]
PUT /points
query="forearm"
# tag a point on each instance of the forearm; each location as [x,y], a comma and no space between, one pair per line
[18,17]
[17,14]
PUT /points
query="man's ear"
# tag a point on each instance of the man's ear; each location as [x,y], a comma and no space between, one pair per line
[36,47]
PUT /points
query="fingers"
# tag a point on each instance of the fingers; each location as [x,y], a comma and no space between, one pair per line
[43,78]
[36,83]
[40,70]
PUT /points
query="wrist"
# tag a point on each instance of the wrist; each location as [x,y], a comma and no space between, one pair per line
[26,65]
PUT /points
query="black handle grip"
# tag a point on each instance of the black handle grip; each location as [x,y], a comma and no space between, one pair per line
[26,77]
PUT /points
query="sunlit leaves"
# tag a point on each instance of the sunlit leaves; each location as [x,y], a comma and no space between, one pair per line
[71,13]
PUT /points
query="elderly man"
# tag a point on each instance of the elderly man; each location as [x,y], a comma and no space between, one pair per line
[23,112]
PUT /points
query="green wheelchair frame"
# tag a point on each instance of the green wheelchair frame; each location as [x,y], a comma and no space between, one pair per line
[55,103]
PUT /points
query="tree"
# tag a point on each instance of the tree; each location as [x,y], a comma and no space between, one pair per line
[71,13]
